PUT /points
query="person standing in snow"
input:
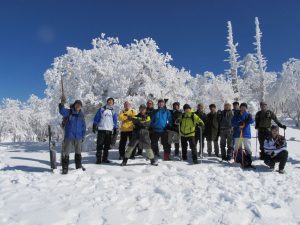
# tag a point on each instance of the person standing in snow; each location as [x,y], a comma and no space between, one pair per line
[150,110]
[161,118]
[212,130]
[173,132]
[236,107]
[242,132]
[263,122]
[202,115]
[140,136]
[226,131]
[75,128]
[188,122]
[275,149]
[105,123]
[126,127]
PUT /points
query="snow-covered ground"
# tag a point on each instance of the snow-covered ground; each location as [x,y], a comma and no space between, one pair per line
[172,193]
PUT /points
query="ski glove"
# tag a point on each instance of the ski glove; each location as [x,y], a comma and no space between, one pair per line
[283,127]
[94,128]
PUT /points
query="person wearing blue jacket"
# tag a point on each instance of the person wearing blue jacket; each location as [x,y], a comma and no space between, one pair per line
[105,123]
[161,118]
[241,122]
[75,128]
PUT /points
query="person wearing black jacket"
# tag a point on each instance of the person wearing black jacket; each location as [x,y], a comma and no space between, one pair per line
[173,132]
[202,115]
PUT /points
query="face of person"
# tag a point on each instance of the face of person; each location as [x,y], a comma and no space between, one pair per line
[213,109]
[187,110]
[200,108]
[236,107]
[150,104]
[264,107]
[176,107]
[161,104]
[126,105]
[110,102]
[275,132]
[143,111]
[243,109]
[77,107]
[227,107]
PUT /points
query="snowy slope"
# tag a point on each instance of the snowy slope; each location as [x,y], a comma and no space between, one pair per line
[172,193]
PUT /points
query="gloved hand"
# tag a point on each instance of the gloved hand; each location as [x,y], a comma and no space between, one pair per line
[63,99]
[94,128]
[115,131]
[283,126]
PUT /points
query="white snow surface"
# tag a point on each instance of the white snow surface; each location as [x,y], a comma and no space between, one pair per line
[174,192]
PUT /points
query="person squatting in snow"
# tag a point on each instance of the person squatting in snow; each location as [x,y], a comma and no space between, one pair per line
[275,149]
[74,132]
[140,136]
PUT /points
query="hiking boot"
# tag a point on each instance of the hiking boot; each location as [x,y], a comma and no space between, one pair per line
[224,158]
[184,157]
[153,162]
[106,161]
[65,164]
[124,162]
[195,161]
[98,161]
[78,161]
[281,171]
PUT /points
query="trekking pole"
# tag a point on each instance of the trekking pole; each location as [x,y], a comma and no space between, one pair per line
[256,145]
[284,133]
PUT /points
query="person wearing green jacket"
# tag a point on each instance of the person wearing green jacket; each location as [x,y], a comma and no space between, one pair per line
[187,123]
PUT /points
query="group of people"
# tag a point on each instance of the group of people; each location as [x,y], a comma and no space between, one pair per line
[142,130]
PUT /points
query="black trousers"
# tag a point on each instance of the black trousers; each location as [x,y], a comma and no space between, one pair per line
[184,145]
[281,158]
[103,144]
[262,135]
[154,136]
[125,136]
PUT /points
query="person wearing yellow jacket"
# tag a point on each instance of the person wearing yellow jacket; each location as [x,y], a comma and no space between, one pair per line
[125,118]
[187,123]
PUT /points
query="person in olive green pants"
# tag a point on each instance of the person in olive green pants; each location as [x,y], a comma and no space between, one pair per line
[140,136]
[187,123]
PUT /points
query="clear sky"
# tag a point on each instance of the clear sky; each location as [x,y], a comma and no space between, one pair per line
[33,32]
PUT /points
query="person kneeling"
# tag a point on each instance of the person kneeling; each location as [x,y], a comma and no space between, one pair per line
[140,136]
[275,149]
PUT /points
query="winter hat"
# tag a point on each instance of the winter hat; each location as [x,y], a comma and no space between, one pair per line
[77,102]
[160,100]
[110,99]
[212,106]
[176,103]
[227,103]
[143,106]
[244,104]
[274,127]
[186,106]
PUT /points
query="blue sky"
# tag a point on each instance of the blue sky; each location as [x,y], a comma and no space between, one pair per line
[193,32]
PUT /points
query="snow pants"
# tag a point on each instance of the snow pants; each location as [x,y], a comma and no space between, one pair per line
[280,157]
[103,144]
[226,140]
[69,145]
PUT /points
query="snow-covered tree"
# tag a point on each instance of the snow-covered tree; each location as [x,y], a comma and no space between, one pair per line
[288,102]
[262,62]
[233,61]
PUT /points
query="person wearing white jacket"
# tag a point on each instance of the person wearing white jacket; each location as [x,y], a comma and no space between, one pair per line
[275,149]
[105,123]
